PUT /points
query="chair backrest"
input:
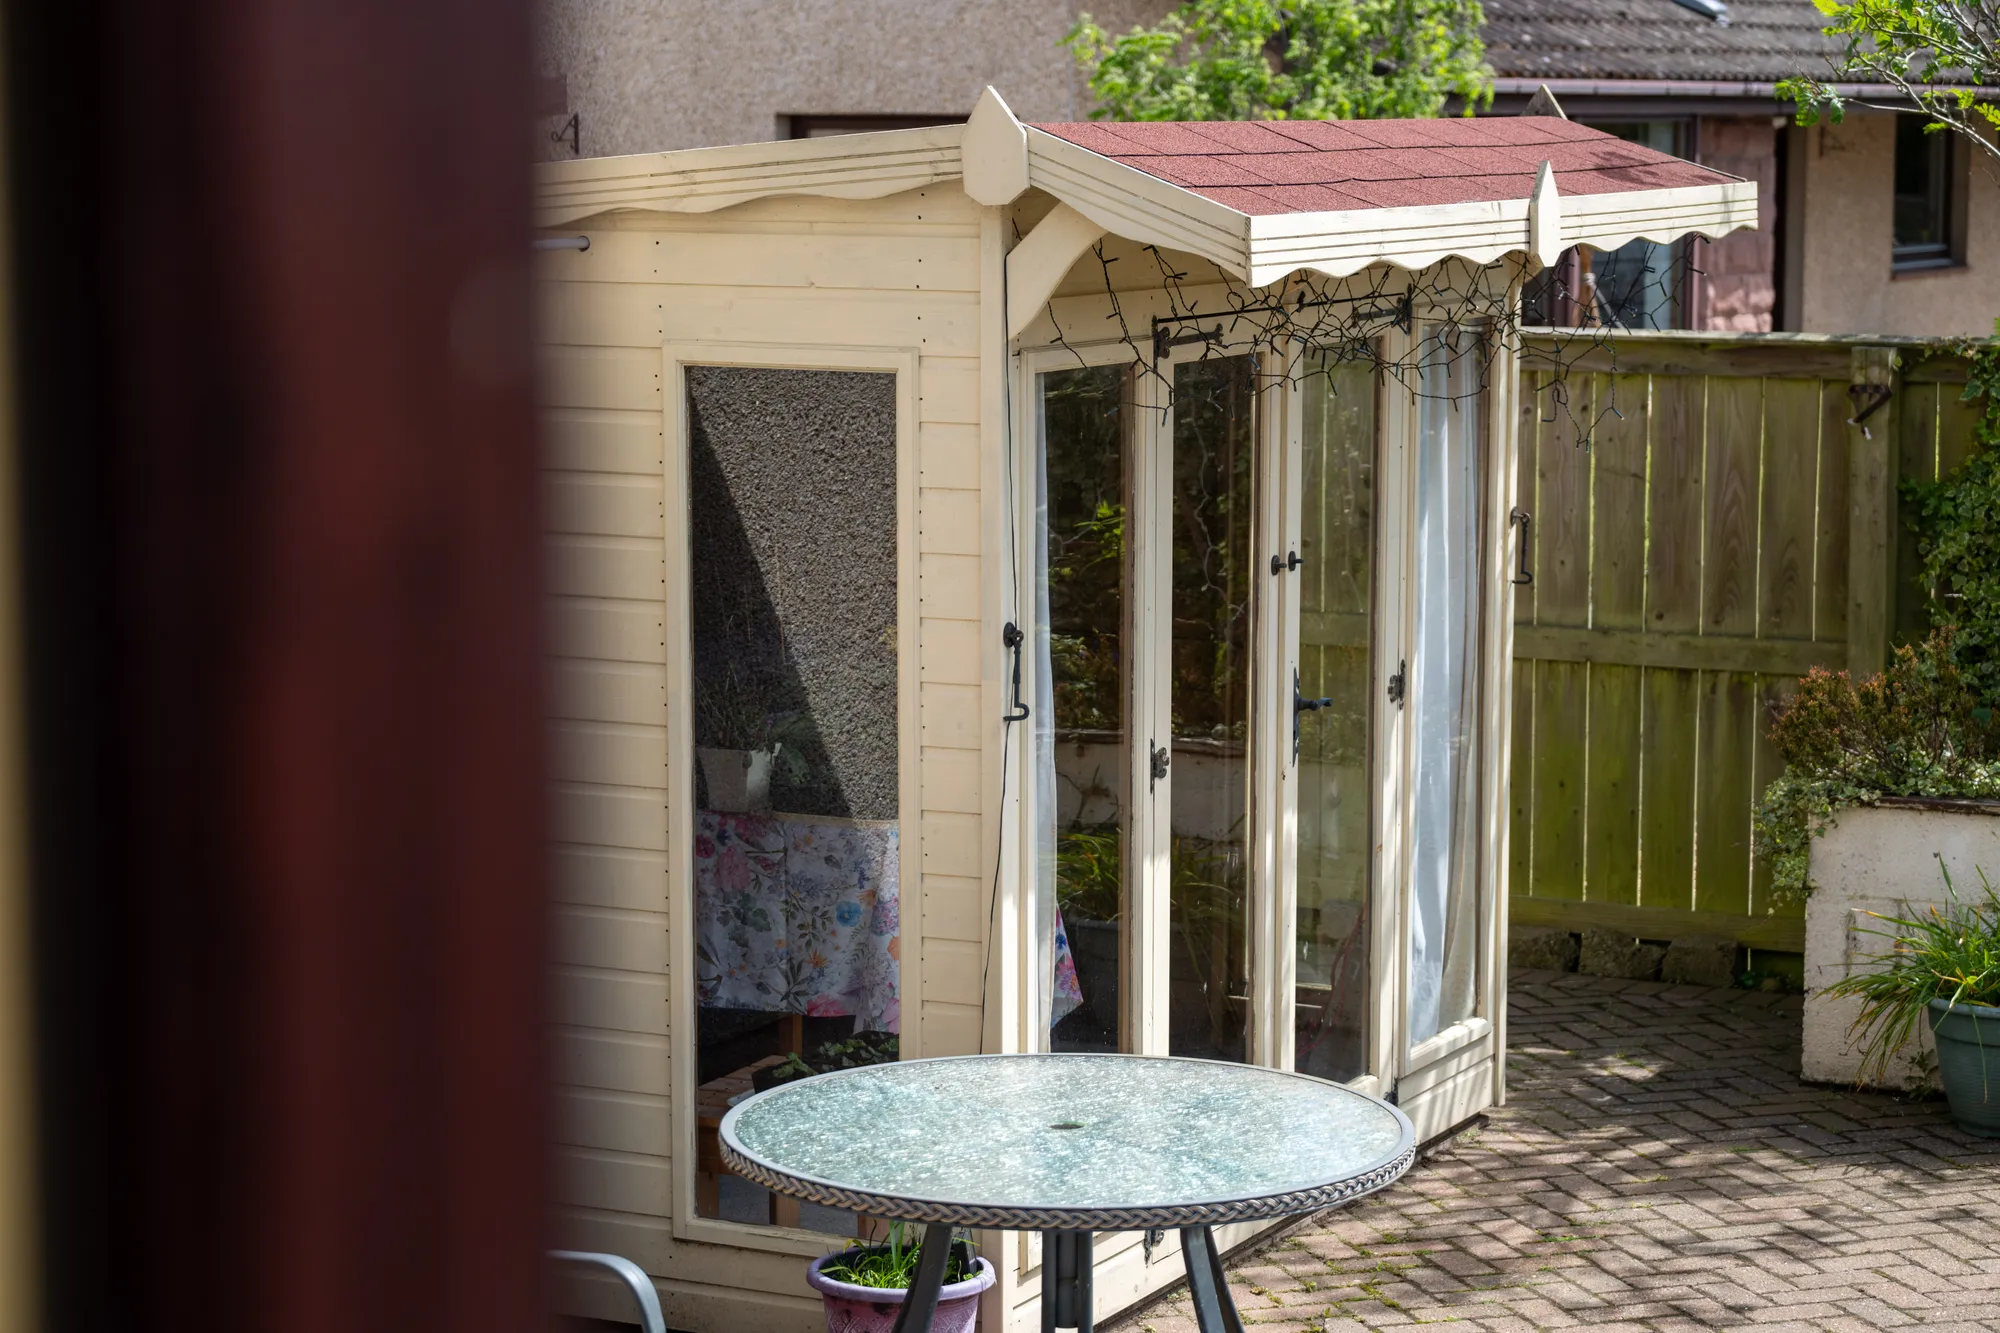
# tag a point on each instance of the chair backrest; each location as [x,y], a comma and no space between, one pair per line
[633,1276]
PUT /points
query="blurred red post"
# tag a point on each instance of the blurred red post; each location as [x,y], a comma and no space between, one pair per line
[283,674]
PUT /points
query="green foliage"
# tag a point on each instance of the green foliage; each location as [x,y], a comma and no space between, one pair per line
[1918,729]
[732,713]
[1933,52]
[1957,519]
[1289,60]
[892,1265]
[1950,954]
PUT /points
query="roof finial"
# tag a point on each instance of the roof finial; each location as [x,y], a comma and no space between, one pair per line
[1545,218]
[1544,103]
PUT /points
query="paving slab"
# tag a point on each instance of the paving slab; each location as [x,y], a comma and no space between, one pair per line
[1659,1167]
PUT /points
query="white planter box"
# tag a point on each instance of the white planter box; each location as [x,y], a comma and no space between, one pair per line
[1882,859]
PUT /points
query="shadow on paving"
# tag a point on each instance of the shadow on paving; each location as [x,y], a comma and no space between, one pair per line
[1658,1166]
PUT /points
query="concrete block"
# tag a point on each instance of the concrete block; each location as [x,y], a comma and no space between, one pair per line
[1621,956]
[1700,960]
[1881,859]
[1541,948]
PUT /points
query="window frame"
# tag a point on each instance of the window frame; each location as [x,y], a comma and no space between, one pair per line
[682,1034]
[1948,252]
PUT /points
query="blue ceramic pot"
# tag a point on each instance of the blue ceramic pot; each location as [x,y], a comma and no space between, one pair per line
[1968,1050]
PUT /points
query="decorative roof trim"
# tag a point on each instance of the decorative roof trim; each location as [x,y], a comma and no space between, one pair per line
[1340,244]
[701,180]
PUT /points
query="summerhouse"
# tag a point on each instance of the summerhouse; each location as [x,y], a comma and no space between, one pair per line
[1034,587]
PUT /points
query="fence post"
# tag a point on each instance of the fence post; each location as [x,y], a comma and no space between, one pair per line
[1871,500]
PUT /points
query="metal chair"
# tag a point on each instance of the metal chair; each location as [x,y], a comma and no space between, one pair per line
[650,1318]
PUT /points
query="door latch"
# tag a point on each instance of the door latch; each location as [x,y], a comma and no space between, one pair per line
[1398,683]
[1301,704]
[1524,576]
[1158,767]
[1281,563]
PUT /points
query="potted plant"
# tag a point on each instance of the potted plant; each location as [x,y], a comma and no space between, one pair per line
[1943,967]
[863,1048]
[746,739]
[863,1287]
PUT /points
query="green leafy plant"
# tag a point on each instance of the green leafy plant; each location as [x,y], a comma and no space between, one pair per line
[1948,953]
[1957,520]
[1289,60]
[892,1264]
[1937,54]
[1917,729]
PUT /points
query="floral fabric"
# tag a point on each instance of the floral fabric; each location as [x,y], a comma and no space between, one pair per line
[1066,994]
[797,915]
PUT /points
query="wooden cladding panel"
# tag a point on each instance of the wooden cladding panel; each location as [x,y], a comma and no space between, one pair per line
[819,273]
[1691,563]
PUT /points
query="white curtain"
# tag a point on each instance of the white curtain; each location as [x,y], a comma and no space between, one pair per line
[1043,731]
[1443,685]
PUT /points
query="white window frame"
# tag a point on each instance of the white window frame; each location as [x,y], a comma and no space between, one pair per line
[682,1011]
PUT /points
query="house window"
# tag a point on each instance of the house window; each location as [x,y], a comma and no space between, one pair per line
[1923,207]
[1640,285]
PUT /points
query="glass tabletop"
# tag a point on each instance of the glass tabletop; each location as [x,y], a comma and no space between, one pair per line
[1101,1141]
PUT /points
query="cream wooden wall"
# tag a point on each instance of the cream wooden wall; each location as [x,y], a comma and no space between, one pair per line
[897,273]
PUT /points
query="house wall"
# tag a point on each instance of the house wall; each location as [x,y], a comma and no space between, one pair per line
[893,274]
[647,77]
[1847,285]
[1736,292]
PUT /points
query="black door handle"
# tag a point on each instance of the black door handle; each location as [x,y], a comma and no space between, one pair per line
[1301,704]
[1525,575]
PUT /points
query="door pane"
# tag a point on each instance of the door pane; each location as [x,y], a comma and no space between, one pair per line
[1443,684]
[1335,793]
[1081,732]
[1214,504]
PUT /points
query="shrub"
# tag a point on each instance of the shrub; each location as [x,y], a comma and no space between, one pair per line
[1957,519]
[1918,729]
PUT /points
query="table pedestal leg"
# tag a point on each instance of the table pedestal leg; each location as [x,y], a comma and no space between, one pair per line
[1214,1311]
[1067,1263]
[920,1302]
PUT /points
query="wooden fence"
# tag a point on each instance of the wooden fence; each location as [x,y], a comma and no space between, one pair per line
[1725,531]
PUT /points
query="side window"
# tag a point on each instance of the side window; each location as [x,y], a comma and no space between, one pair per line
[1923,227]
[792,617]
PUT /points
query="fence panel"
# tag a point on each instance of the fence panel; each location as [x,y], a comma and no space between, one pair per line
[1691,563]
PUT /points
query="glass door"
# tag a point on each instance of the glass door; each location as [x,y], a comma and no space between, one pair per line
[1212,521]
[1334,777]
[1444,686]
[1148,539]
[1383,859]
[1261,779]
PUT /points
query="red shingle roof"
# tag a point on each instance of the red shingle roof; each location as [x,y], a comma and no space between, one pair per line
[1307,166]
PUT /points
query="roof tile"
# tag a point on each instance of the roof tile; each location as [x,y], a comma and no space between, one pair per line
[1317,166]
[1248,136]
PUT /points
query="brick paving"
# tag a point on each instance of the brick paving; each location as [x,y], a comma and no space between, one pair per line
[1658,1168]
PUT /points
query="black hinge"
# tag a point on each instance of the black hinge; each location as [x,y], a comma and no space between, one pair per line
[1398,683]
[1158,767]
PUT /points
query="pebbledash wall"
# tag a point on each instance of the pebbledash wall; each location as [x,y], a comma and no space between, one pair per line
[1840,240]
[646,77]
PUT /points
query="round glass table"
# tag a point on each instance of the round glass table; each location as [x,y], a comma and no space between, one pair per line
[1068,1145]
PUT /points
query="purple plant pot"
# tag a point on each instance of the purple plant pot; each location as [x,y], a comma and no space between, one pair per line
[852,1309]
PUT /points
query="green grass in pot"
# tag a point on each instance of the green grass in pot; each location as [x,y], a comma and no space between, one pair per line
[892,1264]
[1948,953]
